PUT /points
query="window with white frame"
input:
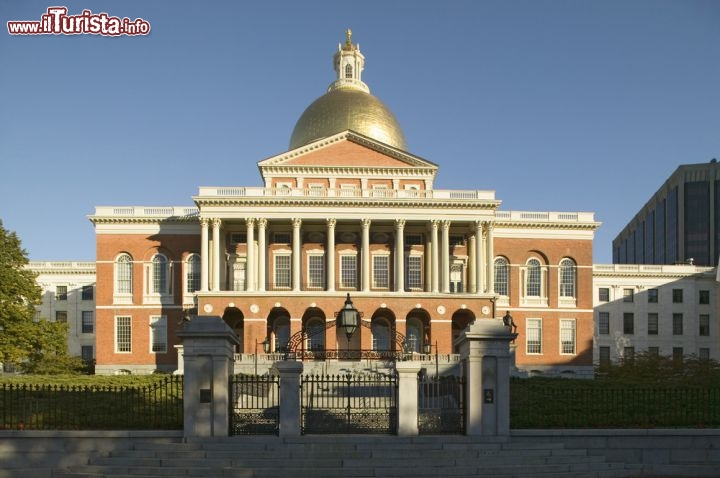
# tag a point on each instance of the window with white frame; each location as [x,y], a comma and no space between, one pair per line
[88,324]
[603,323]
[86,353]
[381,272]
[282,271]
[316,271]
[348,271]
[653,325]
[533,278]
[238,275]
[380,334]
[567,336]
[158,334]
[413,239]
[413,277]
[533,338]
[238,238]
[61,292]
[192,273]
[501,276]
[567,278]
[457,270]
[281,333]
[348,71]
[414,335]
[123,274]
[123,334]
[159,275]
[315,334]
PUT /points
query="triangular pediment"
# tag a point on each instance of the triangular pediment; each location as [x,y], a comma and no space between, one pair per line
[347,150]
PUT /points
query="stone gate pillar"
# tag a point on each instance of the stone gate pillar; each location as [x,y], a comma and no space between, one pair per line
[290,372]
[208,354]
[407,400]
[485,355]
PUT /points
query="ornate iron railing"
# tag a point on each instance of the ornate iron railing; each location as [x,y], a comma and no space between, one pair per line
[441,405]
[338,404]
[254,405]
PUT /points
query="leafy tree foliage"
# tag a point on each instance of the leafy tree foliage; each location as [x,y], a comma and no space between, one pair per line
[23,340]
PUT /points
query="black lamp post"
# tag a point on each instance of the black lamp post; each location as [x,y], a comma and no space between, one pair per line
[348,319]
[266,348]
[427,348]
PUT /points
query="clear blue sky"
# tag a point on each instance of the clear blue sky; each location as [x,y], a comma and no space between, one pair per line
[570,105]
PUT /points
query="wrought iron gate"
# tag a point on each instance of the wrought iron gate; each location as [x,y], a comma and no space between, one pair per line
[254,405]
[349,404]
[441,405]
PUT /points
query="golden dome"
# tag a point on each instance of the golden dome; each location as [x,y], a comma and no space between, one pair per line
[348,105]
[347,109]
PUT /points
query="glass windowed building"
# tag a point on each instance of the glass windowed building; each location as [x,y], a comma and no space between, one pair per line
[679,223]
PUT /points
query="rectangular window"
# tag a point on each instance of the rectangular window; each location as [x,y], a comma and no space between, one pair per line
[534,336]
[652,296]
[704,297]
[677,354]
[604,356]
[704,324]
[677,324]
[316,272]
[282,271]
[604,294]
[704,353]
[604,323]
[86,353]
[123,334]
[414,272]
[654,351]
[628,295]
[282,238]
[628,323]
[61,316]
[61,292]
[88,324]
[413,239]
[652,324]
[238,238]
[158,334]
[567,336]
[457,240]
[677,296]
[348,272]
[381,272]
[87,292]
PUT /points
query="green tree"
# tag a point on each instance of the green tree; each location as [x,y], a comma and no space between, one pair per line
[24,340]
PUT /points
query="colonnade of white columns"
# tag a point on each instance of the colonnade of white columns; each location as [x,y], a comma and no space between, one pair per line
[480,260]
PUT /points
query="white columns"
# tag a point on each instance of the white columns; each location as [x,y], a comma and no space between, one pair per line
[399,255]
[204,246]
[365,253]
[472,264]
[434,231]
[445,257]
[250,264]
[216,254]
[489,226]
[330,254]
[479,257]
[261,253]
[296,223]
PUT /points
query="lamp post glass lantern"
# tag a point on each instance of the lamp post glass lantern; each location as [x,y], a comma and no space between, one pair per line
[266,348]
[348,319]
[427,348]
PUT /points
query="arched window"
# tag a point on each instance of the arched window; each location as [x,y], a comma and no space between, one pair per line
[123,274]
[380,334]
[192,273]
[533,278]
[316,334]
[281,334]
[567,278]
[348,71]
[159,274]
[414,335]
[502,281]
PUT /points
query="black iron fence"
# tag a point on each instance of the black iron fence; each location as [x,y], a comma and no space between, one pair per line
[158,406]
[537,406]
[349,403]
[254,405]
[441,405]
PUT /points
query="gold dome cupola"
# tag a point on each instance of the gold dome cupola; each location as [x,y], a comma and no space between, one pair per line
[348,105]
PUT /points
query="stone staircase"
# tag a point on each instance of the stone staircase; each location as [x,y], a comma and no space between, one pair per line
[348,456]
